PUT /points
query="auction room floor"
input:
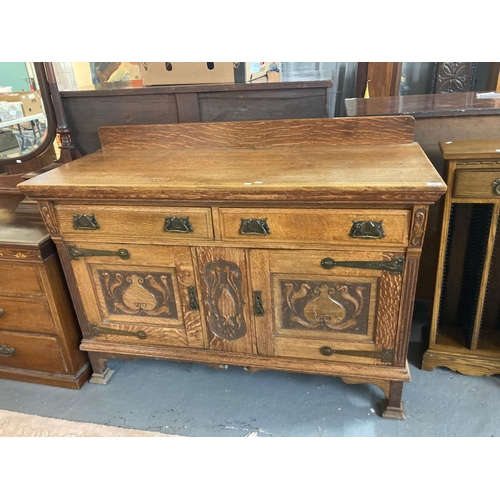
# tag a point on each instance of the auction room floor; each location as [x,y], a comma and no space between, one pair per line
[194,400]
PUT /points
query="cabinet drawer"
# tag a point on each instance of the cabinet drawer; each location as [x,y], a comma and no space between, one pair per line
[136,224]
[330,226]
[26,316]
[20,279]
[477,184]
[31,352]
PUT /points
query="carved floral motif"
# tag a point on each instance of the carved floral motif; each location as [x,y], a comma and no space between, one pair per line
[418,229]
[138,293]
[325,306]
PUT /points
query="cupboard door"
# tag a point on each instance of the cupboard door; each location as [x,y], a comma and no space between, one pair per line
[146,294]
[224,287]
[314,307]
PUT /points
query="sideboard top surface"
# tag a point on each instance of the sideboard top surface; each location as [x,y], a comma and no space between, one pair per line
[243,174]
[351,159]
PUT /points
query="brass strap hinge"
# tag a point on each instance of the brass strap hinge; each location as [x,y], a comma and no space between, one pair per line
[394,266]
[75,253]
[97,330]
[384,354]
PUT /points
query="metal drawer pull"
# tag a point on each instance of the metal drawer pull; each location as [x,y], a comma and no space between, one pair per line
[7,351]
[75,253]
[85,221]
[496,186]
[384,354]
[178,225]
[258,308]
[2,312]
[258,227]
[97,330]
[367,229]
[394,266]
[193,300]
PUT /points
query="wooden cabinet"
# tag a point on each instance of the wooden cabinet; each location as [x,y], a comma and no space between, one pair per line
[465,324]
[288,245]
[39,334]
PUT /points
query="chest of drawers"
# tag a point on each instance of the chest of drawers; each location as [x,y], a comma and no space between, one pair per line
[39,334]
[289,245]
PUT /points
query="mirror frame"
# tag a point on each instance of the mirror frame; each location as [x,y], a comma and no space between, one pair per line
[50,116]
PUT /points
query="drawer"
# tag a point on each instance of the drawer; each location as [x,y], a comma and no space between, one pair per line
[31,352]
[20,279]
[477,184]
[330,226]
[25,315]
[135,223]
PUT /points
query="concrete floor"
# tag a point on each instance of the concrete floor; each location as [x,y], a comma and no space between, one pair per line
[194,400]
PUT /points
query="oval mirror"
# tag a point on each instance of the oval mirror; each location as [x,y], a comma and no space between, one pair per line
[27,121]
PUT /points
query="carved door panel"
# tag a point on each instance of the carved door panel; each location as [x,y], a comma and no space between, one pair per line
[334,305]
[146,294]
[223,278]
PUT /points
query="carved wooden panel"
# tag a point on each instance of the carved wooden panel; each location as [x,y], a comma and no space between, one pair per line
[454,77]
[138,293]
[418,227]
[325,305]
[226,303]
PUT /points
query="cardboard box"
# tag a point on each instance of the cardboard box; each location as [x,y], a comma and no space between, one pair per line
[181,73]
[31,101]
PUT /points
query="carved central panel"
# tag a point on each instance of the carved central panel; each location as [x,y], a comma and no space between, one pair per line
[327,306]
[138,293]
[225,301]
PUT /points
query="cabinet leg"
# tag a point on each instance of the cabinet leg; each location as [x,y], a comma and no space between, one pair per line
[102,373]
[393,407]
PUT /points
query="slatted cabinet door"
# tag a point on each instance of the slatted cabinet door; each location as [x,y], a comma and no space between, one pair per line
[327,305]
[146,294]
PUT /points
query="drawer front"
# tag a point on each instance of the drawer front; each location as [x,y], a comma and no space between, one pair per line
[25,315]
[31,352]
[20,279]
[136,224]
[477,184]
[329,226]
[313,309]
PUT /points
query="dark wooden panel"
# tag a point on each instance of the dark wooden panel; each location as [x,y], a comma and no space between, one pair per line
[263,105]
[86,115]
[188,107]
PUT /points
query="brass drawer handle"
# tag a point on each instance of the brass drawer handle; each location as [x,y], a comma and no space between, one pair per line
[7,351]
[394,266]
[367,229]
[496,186]
[178,225]
[75,253]
[257,227]
[2,312]
[85,221]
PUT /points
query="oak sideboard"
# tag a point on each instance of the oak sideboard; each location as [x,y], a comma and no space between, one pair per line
[283,244]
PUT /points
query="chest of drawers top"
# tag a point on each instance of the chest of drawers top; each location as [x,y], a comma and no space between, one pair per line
[300,161]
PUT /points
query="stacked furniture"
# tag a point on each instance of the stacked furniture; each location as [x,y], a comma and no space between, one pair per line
[39,333]
[289,245]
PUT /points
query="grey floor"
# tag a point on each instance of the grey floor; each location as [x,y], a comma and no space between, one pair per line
[194,400]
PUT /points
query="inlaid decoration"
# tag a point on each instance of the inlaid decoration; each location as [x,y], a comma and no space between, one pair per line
[138,293]
[327,306]
[224,299]
[13,253]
